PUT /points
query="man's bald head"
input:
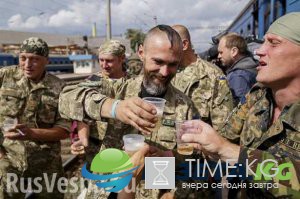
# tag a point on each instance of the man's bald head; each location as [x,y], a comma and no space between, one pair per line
[161,31]
[183,32]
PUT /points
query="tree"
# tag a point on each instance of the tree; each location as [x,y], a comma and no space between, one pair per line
[136,38]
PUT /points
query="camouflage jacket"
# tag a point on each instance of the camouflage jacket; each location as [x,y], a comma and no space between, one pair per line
[249,125]
[207,86]
[88,98]
[35,105]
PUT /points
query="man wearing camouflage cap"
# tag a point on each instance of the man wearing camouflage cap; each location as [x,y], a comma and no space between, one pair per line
[267,124]
[31,148]
[111,60]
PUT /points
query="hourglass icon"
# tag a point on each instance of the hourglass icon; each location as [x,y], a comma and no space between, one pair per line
[160,179]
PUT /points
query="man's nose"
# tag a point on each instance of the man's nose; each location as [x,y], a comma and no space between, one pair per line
[27,62]
[164,70]
[104,63]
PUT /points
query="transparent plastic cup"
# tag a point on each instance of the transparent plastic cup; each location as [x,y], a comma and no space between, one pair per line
[9,123]
[133,142]
[159,104]
[183,148]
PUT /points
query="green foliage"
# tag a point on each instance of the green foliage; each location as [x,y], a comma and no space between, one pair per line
[136,38]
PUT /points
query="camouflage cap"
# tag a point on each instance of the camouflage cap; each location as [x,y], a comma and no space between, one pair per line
[288,27]
[36,46]
[113,47]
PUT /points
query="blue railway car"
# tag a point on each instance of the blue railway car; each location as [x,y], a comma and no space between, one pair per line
[258,15]
[7,59]
[60,63]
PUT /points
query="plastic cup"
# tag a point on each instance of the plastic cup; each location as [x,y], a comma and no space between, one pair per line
[159,104]
[9,123]
[183,148]
[133,142]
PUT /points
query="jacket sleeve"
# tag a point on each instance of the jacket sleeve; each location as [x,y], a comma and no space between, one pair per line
[222,102]
[240,84]
[234,123]
[84,101]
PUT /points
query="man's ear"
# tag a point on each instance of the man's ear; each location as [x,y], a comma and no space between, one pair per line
[234,51]
[141,52]
[185,44]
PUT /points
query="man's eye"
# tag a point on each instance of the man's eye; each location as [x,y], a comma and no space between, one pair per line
[158,62]
[274,42]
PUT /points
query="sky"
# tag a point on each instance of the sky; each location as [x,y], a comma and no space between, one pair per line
[204,18]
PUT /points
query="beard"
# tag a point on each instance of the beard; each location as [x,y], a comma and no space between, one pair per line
[154,88]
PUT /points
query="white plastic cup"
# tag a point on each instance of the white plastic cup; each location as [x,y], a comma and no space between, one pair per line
[133,142]
[9,123]
[159,104]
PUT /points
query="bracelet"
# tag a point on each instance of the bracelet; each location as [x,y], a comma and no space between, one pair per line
[113,108]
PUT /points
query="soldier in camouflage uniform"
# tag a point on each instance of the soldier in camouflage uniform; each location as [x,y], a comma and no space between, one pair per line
[32,148]
[111,60]
[134,65]
[267,125]
[161,54]
[204,83]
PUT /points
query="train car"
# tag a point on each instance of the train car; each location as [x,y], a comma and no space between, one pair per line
[60,63]
[258,15]
[57,63]
[7,59]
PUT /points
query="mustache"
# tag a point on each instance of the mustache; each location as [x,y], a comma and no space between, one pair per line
[160,77]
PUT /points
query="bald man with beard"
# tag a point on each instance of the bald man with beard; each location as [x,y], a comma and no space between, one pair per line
[203,82]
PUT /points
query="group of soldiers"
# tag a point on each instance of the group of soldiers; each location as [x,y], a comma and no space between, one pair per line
[109,105]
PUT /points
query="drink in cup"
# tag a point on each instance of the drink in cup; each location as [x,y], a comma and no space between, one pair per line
[159,104]
[182,147]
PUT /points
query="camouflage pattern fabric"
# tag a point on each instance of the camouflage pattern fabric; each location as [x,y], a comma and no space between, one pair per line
[207,86]
[134,65]
[36,105]
[248,125]
[178,107]
[36,46]
[113,47]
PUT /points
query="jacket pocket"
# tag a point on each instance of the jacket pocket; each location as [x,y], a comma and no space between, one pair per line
[48,110]
[11,102]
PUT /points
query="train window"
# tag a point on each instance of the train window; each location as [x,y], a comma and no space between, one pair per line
[87,64]
[241,32]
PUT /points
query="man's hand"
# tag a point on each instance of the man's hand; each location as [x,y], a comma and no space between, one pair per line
[137,113]
[19,132]
[80,145]
[210,142]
